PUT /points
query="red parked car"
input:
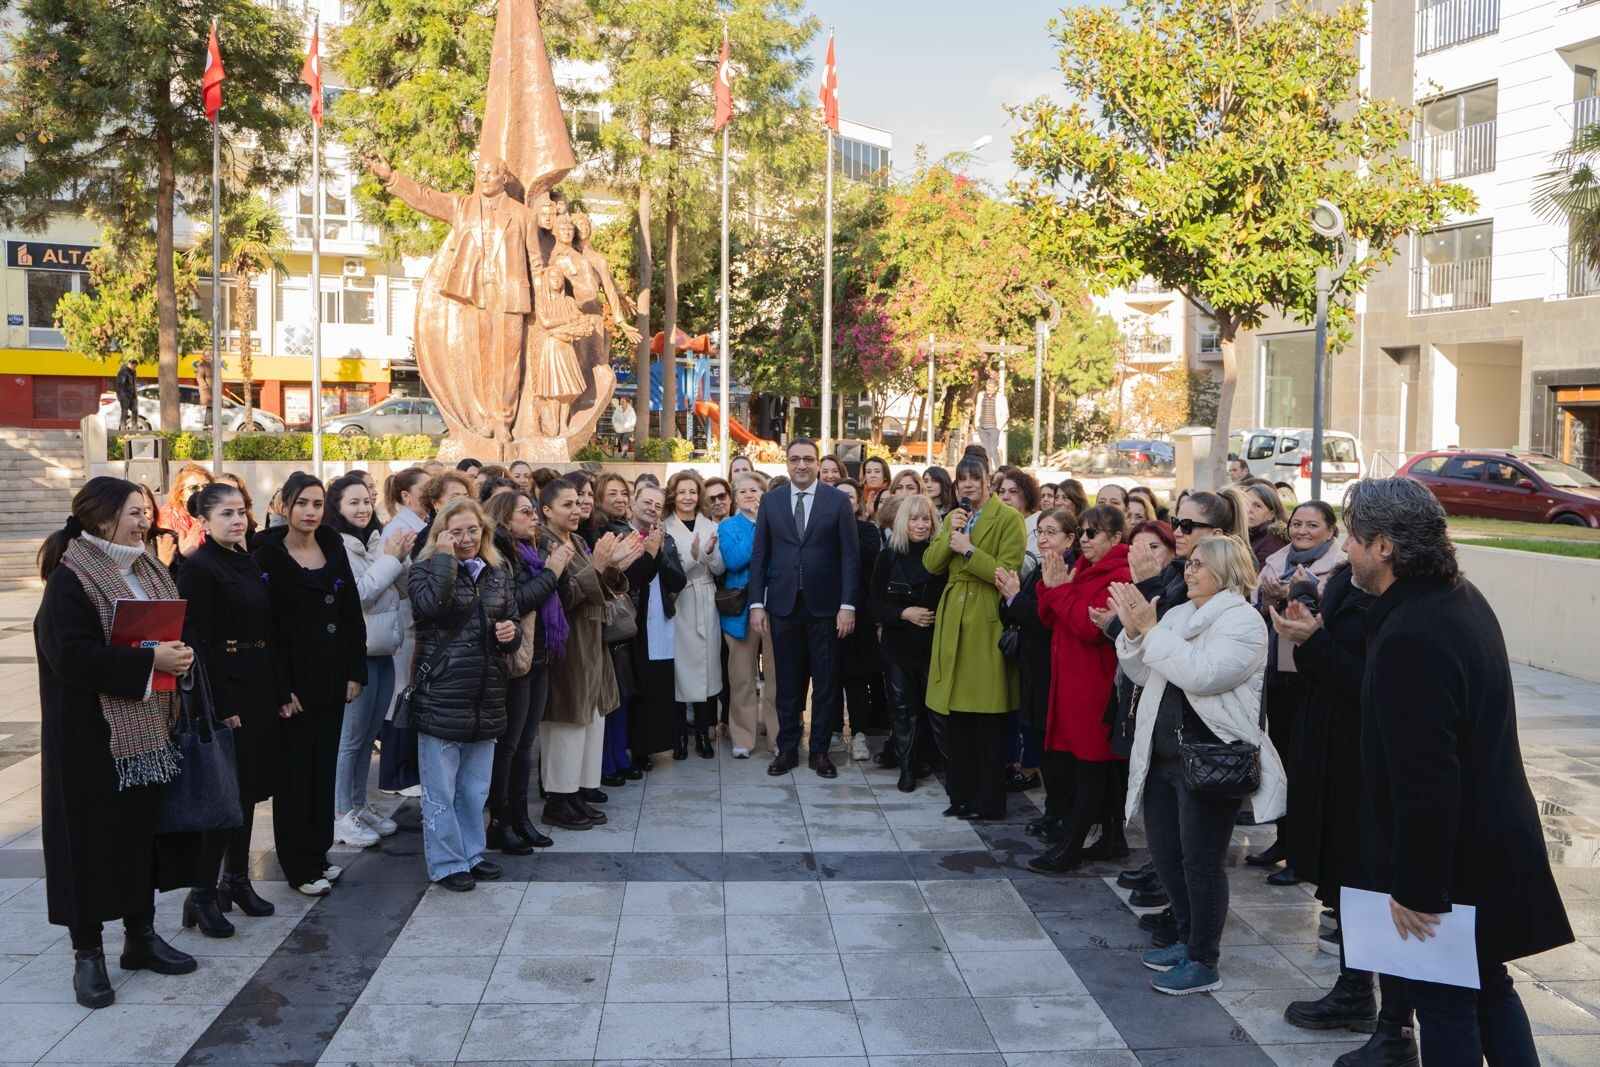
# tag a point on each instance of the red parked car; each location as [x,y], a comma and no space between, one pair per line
[1520,486]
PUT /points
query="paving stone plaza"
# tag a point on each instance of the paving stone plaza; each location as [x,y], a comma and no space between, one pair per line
[725,915]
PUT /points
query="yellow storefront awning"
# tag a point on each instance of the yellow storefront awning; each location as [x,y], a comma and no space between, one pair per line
[263,368]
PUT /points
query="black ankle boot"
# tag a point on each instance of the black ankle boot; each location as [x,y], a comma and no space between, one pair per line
[236,889]
[200,909]
[90,983]
[680,747]
[1392,1045]
[581,804]
[908,779]
[1058,860]
[703,745]
[1349,1005]
[560,811]
[525,827]
[144,950]
[503,837]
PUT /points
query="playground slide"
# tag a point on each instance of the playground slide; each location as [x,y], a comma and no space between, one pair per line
[736,429]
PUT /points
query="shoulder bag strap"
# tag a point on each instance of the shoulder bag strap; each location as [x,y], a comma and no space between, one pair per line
[437,659]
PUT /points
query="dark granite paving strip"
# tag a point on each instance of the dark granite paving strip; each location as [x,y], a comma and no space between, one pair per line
[294,1003]
[21,863]
[1236,1056]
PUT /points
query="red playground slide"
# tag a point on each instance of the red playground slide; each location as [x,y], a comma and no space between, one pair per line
[736,429]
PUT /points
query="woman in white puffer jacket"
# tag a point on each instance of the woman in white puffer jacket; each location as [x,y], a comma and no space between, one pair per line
[1201,671]
[379,569]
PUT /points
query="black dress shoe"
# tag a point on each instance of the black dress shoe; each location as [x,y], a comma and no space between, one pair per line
[907,782]
[958,811]
[459,882]
[1165,931]
[823,766]
[1157,919]
[783,763]
[887,759]
[680,747]
[486,871]
[633,774]
[1286,876]
[1059,860]
[559,811]
[1039,826]
[613,781]
[1017,782]
[1392,1045]
[236,889]
[1133,877]
[1349,1005]
[1149,898]
[1113,848]
[504,837]
[703,745]
[1268,857]
[90,983]
[593,796]
[144,950]
[200,909]
[596,816]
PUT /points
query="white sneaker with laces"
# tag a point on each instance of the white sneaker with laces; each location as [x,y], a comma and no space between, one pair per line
[319,888]
[858,748]
[741,753]
[331,873]
[378,824]
[348,829]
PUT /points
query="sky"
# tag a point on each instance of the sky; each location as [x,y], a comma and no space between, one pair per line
[939,72]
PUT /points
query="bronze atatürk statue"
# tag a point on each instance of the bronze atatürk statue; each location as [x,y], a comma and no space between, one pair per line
[510,339]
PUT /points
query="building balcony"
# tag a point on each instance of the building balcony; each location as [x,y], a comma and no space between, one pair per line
[1453,286]
[1457,153]
[1585,111]
[1447,23]
[1150,348]
[1572,274]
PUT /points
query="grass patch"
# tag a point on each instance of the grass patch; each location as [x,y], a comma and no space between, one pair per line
[1578,549]
[1500,528]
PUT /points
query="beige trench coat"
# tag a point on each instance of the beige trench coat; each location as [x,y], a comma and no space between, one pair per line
[696,627]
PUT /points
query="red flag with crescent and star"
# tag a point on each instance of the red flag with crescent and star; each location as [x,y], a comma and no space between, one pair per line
[311,74]
[211,80]
[724,87]
[830,91]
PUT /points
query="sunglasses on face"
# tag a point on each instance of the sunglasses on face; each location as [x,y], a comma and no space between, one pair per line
[1189,526]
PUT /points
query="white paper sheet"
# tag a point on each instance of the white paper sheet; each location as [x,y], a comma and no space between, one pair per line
[1371,943]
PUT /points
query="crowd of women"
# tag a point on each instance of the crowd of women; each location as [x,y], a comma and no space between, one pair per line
[570,629]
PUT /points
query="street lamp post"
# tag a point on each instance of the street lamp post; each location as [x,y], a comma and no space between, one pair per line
[1041,338]
[1327,220]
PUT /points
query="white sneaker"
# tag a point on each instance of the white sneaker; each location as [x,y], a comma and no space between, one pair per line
[741,753]
[348,829]
[376,823]
[859,750]
[331,873]
[411,791]
[319,888]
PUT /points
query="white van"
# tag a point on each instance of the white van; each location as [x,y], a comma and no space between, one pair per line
[1284,455]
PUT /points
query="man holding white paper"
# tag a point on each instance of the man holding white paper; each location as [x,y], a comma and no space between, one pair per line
[1448,818]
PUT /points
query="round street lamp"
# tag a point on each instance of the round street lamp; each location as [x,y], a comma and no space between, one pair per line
[1328,221]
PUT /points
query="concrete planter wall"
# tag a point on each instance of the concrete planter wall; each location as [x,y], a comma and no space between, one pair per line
[1549,606]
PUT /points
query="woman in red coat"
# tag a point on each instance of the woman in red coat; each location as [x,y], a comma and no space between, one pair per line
[1083,667]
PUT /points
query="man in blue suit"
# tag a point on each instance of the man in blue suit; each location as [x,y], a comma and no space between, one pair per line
[805,556]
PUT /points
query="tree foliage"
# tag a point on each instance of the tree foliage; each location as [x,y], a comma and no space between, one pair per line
[254,241]
[1197,137]
[104,100]
[117,316]
[1570,193]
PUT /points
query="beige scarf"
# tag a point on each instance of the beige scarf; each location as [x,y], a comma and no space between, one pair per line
[141,745]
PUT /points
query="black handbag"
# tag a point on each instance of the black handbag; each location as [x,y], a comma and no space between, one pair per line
[621,619]
[397,757]
[205,794]
[1011,642]
[732,601]
[1227,769]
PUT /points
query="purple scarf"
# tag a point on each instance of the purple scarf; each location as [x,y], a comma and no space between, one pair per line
[551,618]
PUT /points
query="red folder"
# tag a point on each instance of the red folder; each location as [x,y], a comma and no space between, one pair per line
[145,624]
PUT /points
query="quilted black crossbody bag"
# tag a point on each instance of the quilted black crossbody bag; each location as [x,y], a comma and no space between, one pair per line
[1230,769]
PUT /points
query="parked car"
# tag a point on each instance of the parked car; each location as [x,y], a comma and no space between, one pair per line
[1521,486]
[397,414]
[1283,454]
[192,415]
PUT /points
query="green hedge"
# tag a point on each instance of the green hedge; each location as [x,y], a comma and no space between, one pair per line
[666,450]
[291,447]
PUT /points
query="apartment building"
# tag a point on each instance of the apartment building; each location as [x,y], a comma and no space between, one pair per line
[1161,329]
[1486,331]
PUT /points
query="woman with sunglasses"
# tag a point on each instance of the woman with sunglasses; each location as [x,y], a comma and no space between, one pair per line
[1200,667]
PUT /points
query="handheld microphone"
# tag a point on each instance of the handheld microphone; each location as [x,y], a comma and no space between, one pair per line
[965,503]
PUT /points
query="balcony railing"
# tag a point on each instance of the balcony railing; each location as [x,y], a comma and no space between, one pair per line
[1585,113]
[1147,287]
[1458,153]
[1451,286]
[1571,272]
[1447,23]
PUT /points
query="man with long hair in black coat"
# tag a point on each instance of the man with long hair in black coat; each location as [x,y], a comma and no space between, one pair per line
[1447,816]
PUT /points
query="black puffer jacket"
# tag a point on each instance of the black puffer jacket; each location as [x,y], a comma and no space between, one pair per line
[460,686]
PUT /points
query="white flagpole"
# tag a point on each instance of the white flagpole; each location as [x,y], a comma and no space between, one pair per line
[316,283]
[722,335]
[216,289]
[827,307]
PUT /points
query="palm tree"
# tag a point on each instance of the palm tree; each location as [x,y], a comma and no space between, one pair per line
[1571,193]
[253,242]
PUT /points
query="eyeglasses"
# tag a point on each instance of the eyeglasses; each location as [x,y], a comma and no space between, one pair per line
[1189,526]
[1193,565]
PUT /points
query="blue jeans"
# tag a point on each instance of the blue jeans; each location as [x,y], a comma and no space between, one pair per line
[1461,1025]
[363,718]
[455,787]
[1188,835]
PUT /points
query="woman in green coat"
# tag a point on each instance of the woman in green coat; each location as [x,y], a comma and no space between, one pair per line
[971,686]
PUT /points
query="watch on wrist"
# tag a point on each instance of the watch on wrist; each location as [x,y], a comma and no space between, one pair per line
[967,554]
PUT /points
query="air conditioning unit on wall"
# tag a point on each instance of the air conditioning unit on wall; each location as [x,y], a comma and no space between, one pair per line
[355,268]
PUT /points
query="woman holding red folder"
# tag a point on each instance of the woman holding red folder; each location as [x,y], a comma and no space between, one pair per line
[105,747]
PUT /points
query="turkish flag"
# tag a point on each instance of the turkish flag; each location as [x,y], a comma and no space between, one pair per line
[211,80]
[724,87]
[311,74]
[830,91]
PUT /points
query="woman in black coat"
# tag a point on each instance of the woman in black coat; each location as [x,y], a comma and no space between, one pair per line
[322,639]
[903,598]
[229,625]
[101,789]
[862,676]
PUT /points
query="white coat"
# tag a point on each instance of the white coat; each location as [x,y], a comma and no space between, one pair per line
[378,582]
[696,626]
[1217,654]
